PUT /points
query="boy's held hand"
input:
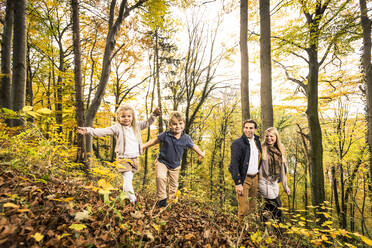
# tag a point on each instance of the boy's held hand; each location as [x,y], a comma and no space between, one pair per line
[201,155]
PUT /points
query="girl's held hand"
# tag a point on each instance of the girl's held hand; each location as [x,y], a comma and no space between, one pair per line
[288,191]
[81,130]
[156,112]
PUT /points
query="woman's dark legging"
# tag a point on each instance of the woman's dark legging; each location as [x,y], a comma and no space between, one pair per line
[273,205]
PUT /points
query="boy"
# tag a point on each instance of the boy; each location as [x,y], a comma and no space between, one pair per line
[172,146]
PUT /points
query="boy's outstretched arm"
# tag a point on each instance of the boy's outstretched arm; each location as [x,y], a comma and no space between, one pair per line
[198,151]
[151,142]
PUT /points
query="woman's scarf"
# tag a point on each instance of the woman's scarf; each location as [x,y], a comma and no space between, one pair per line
[275,161]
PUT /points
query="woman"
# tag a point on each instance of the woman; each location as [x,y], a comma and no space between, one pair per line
[272,171]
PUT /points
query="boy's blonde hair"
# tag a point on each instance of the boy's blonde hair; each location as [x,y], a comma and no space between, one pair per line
[277,144]
[177,115]
[123,108]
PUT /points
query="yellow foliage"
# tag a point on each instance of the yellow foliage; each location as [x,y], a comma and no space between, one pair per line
[366,240]
[106,187]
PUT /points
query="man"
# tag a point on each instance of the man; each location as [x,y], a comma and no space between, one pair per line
[245,162]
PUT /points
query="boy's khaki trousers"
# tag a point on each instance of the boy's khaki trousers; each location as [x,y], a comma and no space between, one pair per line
[163,174]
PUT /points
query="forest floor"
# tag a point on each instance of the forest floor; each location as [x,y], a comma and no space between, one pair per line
[37,212]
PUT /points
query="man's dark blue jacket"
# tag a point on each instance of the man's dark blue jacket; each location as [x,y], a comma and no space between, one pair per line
[240,154]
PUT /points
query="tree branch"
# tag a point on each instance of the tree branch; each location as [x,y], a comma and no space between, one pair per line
[299,82]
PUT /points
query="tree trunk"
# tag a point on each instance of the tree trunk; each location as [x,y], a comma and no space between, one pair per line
[145,166]
[265,65]
[157,79]
[335,193]
[306,195]
[367,68]
[316,146]
[222,172]
[244,69]
[211,169]
[6,46]
[294,182]
[113,30]
[29,91]
[18,93]
[79,101]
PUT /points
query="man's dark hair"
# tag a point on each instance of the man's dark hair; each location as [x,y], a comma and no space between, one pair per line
[250,121]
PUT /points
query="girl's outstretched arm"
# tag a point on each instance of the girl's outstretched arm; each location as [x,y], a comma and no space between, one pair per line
[144,124]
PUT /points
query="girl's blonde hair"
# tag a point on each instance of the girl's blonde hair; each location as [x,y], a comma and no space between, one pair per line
[123,108]
[277,143]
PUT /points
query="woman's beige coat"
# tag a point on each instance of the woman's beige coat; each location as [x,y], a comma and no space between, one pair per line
[268,185]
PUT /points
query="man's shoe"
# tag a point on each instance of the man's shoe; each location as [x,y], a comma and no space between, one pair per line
[162,203]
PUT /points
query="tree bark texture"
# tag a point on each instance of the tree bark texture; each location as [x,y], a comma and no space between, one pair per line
[316,145]
[244,69]
[6,46]
[18,93]
[29,90]
[79,101]
[157,79]
[367,68]
[265,65]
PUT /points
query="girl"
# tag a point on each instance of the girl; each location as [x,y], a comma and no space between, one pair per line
[272,171]
[128,143]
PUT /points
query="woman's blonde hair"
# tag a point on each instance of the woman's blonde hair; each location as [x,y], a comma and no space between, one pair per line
[123,108]
[277,143]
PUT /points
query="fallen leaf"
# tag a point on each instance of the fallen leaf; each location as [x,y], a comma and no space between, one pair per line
[137,215]
[63,235]
[189,236]
[149,235]
[77,227]
[10,205]
[38,236]
[82,215]
[207,234]
[23,210]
